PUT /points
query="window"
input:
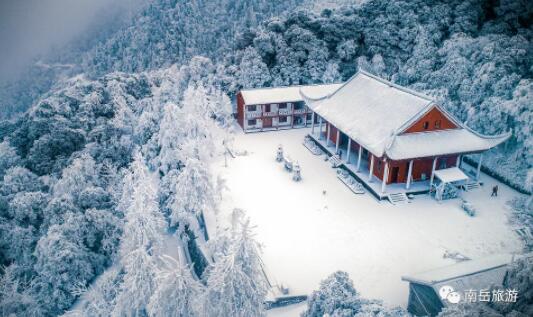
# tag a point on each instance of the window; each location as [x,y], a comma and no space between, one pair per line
[283,119]
[252,108]
[252,122]
[426,125]
[442,164]
[309,117]
[437,124]
[282,106]
[298,105]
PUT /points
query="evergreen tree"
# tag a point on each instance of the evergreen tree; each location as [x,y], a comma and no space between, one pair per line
[141,241]
[236,283]
[177,292]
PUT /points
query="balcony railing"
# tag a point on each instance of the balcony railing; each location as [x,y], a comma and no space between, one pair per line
[253,114]
[300,111]
[270,114]
[285,112]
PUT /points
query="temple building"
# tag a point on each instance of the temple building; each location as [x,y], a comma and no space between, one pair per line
[391,138]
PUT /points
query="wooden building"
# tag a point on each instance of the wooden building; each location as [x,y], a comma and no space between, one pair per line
[267,109]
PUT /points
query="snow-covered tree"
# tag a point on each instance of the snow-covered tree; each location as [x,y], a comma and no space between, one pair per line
[99,299]
[169,138]
[62,261]
[519,277]
[79,175]
[16,298]
[331,74]
[252,71]
[8,157]
[177,292]
[141,241]
[193,192]
[338,297]
[236,283]
[18,179]
[335,297]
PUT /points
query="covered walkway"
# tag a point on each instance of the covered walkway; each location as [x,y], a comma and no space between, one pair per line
[373,184]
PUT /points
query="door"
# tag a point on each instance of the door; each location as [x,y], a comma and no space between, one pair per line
[267,108]
[267,122]
[394,176]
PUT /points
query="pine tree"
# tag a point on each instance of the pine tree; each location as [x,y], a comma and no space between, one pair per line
[236,283]
[193,194]
[169,139]
[141,240]
[177,292]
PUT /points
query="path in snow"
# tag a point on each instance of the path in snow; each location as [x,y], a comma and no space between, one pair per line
[308,235]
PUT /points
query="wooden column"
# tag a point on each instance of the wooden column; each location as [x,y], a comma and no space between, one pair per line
[348,148]
[337,141]
[409,175]
[478,171]
[433,172]
[370,170]
[320,128]
[385,177]
[328,129]
[359,158]
[312,123]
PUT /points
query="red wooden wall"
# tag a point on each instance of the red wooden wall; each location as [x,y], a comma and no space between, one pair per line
[420,166]
[333,133]
[431,118]
[240,110]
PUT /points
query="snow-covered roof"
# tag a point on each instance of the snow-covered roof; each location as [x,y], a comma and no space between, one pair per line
[369,109]
[451,174]
[441,142]
[460,270]
[374,112]
[261,96]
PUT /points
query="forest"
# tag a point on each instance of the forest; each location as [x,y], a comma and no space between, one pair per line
[84,150]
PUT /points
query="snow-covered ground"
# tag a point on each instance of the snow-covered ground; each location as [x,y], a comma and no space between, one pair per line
[307,234]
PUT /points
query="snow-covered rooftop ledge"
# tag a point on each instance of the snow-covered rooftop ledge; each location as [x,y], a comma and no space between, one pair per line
[441,142]
[461,269]
[267,95]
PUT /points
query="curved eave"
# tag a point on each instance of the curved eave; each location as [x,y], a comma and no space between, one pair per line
[441,143]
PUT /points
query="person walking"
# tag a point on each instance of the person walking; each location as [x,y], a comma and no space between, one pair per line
[494,191]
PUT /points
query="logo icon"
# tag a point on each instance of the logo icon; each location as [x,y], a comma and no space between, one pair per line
[447,292]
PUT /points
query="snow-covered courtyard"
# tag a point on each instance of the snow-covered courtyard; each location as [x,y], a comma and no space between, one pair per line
[311,228]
